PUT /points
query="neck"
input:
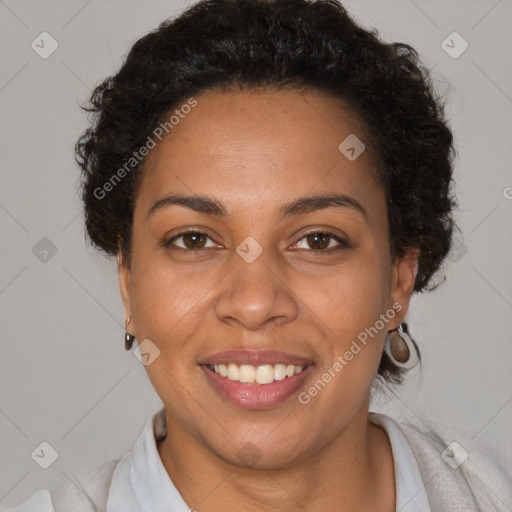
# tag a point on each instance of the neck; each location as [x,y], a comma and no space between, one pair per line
[354,471]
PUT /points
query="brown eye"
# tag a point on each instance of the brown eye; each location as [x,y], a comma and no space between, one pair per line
[321,240]
[194,240]
[190,240]
[318,240]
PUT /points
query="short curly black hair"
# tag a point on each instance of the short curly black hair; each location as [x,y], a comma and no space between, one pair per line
[301,44]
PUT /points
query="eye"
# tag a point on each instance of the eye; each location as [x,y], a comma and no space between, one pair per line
[191,240]
[319,241]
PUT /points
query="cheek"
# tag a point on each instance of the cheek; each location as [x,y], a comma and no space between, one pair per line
[353,296]
[349,304]
[168,300]
[167,305]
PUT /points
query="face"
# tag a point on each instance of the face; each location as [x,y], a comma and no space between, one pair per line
[259,283]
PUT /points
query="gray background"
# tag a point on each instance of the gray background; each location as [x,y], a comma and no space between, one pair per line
[65,377]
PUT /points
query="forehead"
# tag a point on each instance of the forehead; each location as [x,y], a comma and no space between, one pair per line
[250,147]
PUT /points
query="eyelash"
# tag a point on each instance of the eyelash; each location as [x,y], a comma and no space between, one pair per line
[342,243]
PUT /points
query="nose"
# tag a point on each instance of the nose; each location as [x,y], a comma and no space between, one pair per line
[255,294]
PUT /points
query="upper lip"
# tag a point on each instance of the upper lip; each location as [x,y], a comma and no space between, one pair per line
[255,357]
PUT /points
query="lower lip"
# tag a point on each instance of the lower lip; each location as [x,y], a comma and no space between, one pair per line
[256,396]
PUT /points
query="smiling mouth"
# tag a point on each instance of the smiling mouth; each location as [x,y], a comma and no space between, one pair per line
[260,374]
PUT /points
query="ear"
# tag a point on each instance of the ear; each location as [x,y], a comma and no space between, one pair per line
[124,275]
[402,281]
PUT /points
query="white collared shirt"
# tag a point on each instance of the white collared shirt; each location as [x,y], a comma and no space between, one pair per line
[410,488]
[140,482]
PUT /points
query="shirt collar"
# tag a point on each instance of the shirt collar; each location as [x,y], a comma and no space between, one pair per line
[410,488]
[141,483]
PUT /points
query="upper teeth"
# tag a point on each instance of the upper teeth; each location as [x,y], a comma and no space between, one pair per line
[263,374]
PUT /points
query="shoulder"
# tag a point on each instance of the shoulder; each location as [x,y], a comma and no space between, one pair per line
[459,469]
[81,493]
[87,492]
[40,501]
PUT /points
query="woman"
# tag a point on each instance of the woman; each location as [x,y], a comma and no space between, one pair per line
[275,183]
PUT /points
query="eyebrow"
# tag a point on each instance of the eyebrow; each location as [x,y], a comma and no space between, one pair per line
[302,205]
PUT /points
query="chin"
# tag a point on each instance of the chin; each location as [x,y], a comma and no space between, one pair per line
[263,454]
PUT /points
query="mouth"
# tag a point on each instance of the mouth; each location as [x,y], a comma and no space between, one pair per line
[256,379]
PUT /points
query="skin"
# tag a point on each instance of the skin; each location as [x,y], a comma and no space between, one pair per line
[252,151]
